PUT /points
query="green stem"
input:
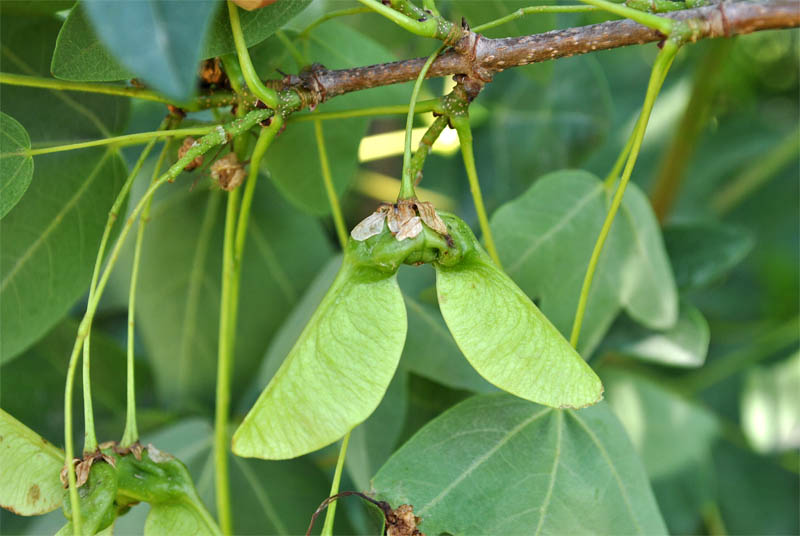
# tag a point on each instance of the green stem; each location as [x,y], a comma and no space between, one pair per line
[332,15]
[131,433]
[657,76]
[406,180]
[431,26]
[327,178]
[462,126]
[425,146]
[756,174]
[663,6]
[327,528]
[227,338]
[399,109]
[90,442]
[655,22]
[613,175]
[531,10]
[712,518]
[679,152]
[266,95]
[214,138]
[234,72]
[123,141]
[200,103]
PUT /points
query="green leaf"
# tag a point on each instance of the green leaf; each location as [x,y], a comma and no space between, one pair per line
[337,372]
[703,252]
[158,40]
[80,55]
[771,406]
[267,497]
[683,345]
[97,496]
[178,308]
[30,485]
[496,464]
[669,432]
[50,239]
[300,178]
[16,168]
[545,239]
[52,116]
[40,7]
[648,290]
[505,336]
[256,26]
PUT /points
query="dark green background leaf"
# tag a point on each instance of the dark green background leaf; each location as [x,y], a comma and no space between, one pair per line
[496,464]
[16,169]
[159,40]
[80,55]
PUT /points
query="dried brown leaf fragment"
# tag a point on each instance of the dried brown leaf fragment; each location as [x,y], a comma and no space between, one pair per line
[228,172]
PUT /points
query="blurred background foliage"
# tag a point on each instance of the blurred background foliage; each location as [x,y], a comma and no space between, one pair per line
[710,402]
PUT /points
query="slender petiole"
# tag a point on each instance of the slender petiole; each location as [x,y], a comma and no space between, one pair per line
[266,95]
[123,141]
[425,146]
[662,24]
[218,136]
[200,103]
[332,15]
[406,180]
[425,28]
[330,515]
[521,12]
[462,126]
[131,433]
[657,76]
[236,221]
[399,109]
[327,177]
[293,50]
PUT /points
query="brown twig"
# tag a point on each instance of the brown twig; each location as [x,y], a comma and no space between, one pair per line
[478,56]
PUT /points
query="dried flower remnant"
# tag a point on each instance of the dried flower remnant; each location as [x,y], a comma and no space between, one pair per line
[228,172]
[188,143]
[84,466]
[211,72]
[403,522]
[404,219]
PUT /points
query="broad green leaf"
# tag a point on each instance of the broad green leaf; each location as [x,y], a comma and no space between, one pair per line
[505,336]
[256,26]
[496,464]
[337,372]
[158,40]
[267,497]
[97,501]
[683,345]
[684,495]
[300,179]
[50,242]
[178,308]
[771,406]
[545,239]
[668,431]
[80,55]
[30,485]
[52,116]
[648,291]
[16,168]
[50,239]
[40,7]
[702,252]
